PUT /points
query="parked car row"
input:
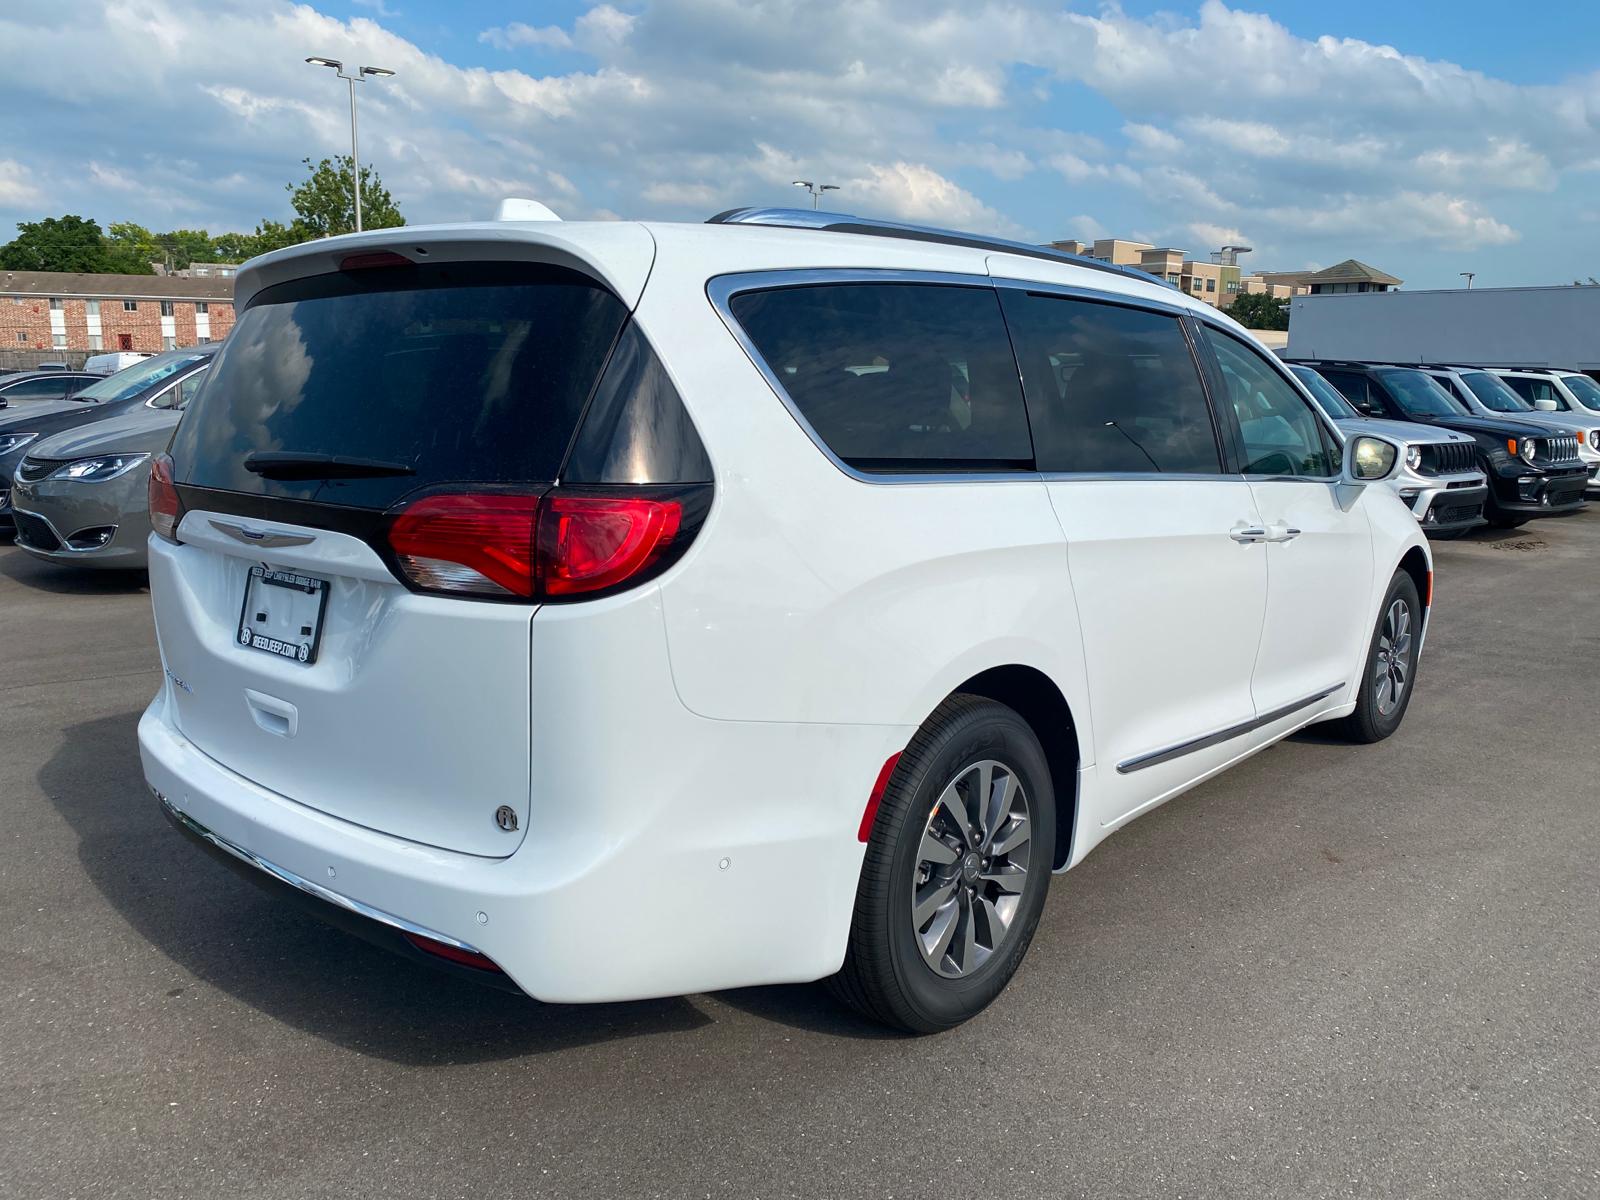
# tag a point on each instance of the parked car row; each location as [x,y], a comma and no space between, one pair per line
[75,470]
[1508,460]
[604,611]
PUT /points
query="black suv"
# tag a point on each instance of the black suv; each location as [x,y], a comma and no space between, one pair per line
[17,387]
[1533,471]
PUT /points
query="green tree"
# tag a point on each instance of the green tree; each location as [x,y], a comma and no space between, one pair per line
[1257,310]
[66,243]
[234,247]
[184,246]
[130,249]
[324,204]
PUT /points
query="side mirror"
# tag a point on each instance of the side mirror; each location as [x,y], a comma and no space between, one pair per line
[1546,405]
[1369,459]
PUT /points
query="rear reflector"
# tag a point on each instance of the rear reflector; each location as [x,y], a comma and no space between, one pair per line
[876,798]
[455,954]
[472,542]
[166,510]
[589,543]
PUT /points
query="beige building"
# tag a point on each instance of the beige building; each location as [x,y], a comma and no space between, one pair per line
[1216,282]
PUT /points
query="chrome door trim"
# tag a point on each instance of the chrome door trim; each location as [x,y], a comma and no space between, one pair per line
[1157,757]
[261,537]
[284,875]
[721,289]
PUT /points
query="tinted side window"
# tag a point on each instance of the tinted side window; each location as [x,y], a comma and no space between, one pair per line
[1534,390]
[1280,433]
[636,429]
[896,376]
[1110,389]
[36,389]
[1352,387]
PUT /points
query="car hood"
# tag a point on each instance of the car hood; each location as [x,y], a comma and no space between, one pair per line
[1401,431]
[1495,427]
[144,430]
[23,410]
[1565,422]
[55,422]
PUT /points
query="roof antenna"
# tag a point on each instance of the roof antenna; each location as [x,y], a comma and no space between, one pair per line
[515,208]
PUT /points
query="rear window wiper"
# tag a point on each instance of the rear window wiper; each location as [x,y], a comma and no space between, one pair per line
[290,464]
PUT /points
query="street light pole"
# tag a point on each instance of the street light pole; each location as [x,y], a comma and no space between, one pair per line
[355,152]
[816,189]
[1467,275]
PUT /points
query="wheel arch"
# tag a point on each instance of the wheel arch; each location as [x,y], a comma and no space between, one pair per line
[1036,698]
[1415,564]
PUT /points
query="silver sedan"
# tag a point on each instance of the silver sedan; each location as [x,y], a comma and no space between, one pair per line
[80,497]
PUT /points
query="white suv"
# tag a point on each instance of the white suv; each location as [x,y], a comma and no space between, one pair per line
[618,610]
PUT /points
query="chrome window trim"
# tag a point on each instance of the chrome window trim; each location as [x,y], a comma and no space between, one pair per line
[1138,477]
[173,384]
[721,289]
[1206,741]
[1074,291]
[284,875]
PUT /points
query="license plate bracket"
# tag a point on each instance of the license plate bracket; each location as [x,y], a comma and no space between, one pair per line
[282,613]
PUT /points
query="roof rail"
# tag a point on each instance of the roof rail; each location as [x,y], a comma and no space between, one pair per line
[806,218]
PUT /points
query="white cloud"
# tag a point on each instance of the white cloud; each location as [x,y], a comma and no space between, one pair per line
[517,34]
[926,110]
[15,185]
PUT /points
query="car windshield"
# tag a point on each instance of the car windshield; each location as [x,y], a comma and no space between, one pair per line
[1335,405]
[1420,395]
[131,381]
[1585,390]
[1492,392]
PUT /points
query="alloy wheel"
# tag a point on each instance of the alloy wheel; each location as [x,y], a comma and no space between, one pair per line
[1391,668]
[972,868]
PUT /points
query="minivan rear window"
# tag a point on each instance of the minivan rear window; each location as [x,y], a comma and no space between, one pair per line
[896,376]
[462,374]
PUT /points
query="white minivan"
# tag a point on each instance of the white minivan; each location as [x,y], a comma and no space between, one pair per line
[613,610]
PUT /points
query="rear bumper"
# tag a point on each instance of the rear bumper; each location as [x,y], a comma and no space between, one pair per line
[382,929]
[722,878]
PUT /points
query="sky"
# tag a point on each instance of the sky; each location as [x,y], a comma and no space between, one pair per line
[1426,139]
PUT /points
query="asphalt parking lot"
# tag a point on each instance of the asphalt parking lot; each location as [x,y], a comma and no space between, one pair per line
[1334,971]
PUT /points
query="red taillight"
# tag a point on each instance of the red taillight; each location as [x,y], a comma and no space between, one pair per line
[475,543]
[455,954]
[166,510]
[558,546]
[876,798]
[588,543]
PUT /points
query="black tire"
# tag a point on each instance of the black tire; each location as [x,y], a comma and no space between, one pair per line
[1498,518]
[1372,721]
[885,974]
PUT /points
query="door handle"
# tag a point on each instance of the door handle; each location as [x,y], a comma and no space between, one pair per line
[1282,533]
[1245,534]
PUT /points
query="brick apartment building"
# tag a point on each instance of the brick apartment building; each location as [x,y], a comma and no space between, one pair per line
[67,311]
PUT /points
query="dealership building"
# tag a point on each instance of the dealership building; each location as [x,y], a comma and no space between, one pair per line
[67,311]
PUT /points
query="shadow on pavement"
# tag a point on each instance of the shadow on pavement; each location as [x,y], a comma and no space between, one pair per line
[19,565]
[289,965]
